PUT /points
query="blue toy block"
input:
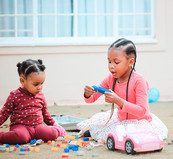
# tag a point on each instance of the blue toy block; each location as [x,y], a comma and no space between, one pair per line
[101,89]
[7,145]
[75,148]
[71,146]
[17,145]
[66,150]
[76,136]
[22,149]
[33,141]
[86,139]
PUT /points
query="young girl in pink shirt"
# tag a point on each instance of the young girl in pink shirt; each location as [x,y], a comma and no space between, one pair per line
[129,93]
[27,108]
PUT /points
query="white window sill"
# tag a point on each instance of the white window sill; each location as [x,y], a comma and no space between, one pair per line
[7,42]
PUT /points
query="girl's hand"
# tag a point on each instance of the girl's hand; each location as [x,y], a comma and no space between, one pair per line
[114,98]
[60,129]
[88,91]
[57,125]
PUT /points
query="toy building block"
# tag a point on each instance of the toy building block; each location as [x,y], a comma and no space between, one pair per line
[3,146]
[86,139]
[7,149]
[66,150]
[58,144]
[53,142]
[89,147]
[101,89]
[22,152]
[7,145]
[17,145]
[11,149]
[54,149]
[76,136]
[63,146]
[64,142]
[39,142]
[75,148]
[95,155]
[37,149]
[80,153]
[33,141]
[65,155]
[49,142]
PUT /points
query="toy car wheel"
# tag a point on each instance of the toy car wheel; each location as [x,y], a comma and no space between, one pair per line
[129,147]
[110,143]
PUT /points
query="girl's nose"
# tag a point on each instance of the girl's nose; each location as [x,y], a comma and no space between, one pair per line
[39,87]
[111,65]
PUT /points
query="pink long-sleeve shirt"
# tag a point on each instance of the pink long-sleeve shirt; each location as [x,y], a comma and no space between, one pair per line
[25,109]
[137,105]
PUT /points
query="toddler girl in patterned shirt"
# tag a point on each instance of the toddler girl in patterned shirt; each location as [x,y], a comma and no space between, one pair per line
[27,108]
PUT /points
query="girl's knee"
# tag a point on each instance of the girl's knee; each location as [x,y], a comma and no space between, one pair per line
[21,138]
[46,133]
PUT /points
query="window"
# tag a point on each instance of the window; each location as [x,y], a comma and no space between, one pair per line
[68,21]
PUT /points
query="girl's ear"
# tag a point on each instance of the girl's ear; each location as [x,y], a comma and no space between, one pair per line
[22,79]
[132,62]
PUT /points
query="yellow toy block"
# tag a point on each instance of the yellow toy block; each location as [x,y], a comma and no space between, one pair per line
[53,142]
[63,146]
[37,149]
[54,149]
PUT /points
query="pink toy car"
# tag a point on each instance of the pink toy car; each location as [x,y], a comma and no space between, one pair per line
[135,141]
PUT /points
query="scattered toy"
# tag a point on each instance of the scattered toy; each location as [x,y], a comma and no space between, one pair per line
[80,153]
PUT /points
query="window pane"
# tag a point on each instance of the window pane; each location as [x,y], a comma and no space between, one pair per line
[86,6]
[104,6]
[24,6]
[126,32]
[143,21]
[46,6]
[24,26]
[143,32]
[143,6]
[105,26]
[65,6]
[86,26]
[6,6]
[65,26]
[46,26]
[125,6]
[7,27]
[126,22]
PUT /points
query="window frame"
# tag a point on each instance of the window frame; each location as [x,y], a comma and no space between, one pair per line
[37,41]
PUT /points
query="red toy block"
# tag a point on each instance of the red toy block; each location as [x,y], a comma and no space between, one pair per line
[26,149]
[58,145]
[85,143]
[65,142]
[49,142]
[15,148]
[65,155]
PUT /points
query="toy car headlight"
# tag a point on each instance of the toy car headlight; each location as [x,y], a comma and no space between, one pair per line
[136,140]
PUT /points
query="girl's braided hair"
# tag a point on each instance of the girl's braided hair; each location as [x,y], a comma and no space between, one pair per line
[130,49]
[28,66]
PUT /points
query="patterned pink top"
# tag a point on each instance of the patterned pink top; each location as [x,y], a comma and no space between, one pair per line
[25,109]
[137,105]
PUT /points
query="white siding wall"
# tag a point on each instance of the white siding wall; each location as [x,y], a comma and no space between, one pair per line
[70,68]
